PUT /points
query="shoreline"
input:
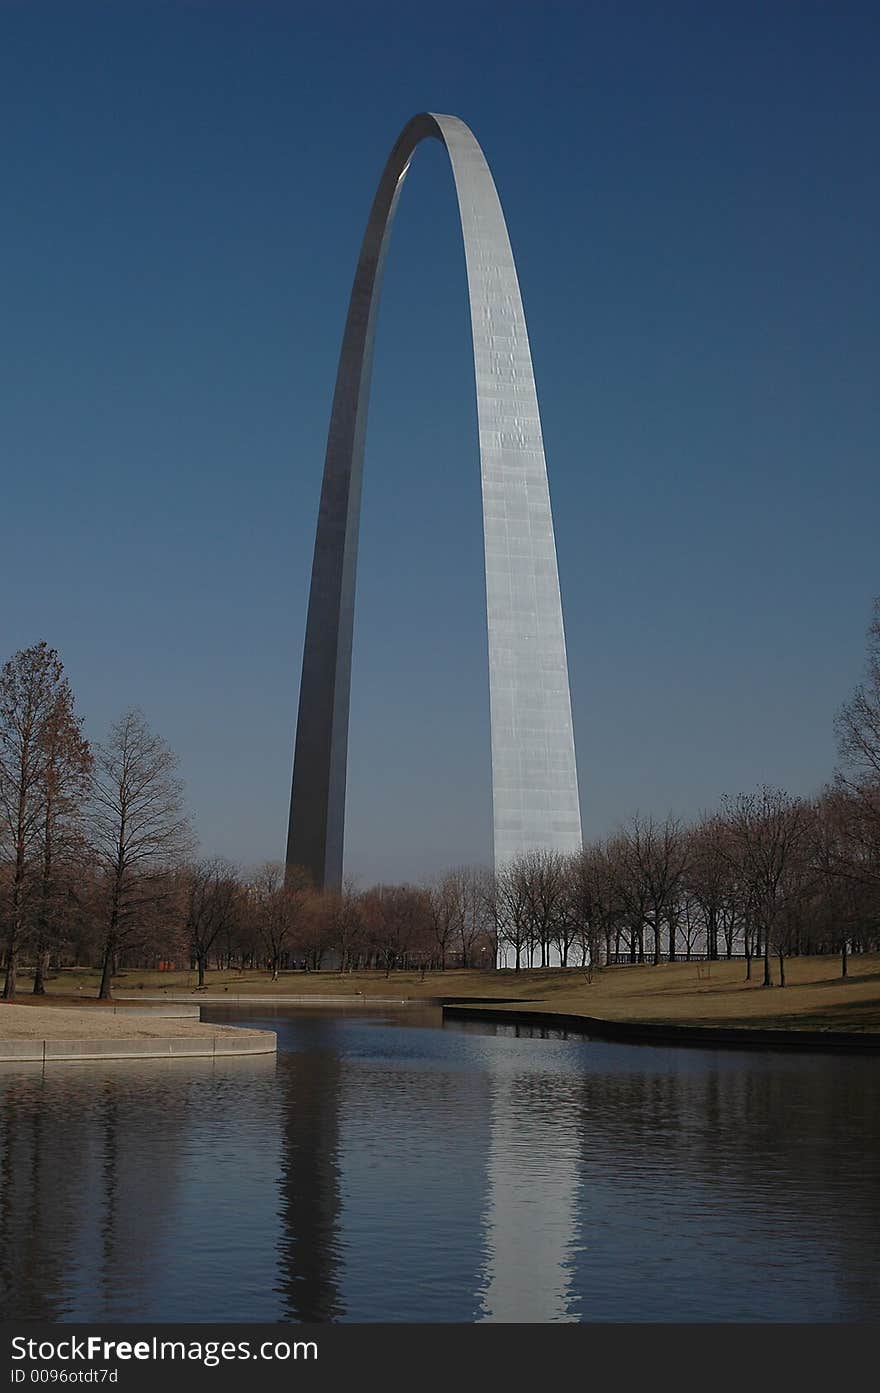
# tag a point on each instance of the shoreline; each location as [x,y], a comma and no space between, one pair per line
[660,1033]
[710,1004]
[601,1027]
[637,1032]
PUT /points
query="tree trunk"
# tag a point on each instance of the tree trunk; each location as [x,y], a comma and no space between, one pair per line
[844,968]
[40,971]
[14,936]
[9,984]
[104,993]
[110,947]
[768,980]
[200,963]
[781,956]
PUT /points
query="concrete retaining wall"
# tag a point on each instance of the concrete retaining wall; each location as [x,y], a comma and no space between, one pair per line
[645,1033]
[242,999]
[171,1010]
[142,1047]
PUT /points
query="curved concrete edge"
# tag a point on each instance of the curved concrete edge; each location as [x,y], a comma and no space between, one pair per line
[171,1011]
[178,1011]
[153,1047]
[647,1033]
[243,999]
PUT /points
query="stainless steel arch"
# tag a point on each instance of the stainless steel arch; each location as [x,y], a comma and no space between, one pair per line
[534,776]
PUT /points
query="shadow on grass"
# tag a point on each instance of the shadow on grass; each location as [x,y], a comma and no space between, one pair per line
[851,1017]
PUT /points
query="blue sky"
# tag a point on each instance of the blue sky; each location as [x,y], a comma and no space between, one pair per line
[692,197]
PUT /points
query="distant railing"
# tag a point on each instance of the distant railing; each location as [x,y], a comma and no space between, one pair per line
[626,960]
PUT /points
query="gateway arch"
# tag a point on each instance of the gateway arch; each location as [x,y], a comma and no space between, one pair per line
[534,774]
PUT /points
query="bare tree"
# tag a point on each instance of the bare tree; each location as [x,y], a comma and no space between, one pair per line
[770,834]
[280,897]
[397,920]
[544,877]
[63,851]
[510,908]
[316,932]
[585,907]
[857,784]
[346,925]
[139,832]
[443,906]
[858,721]
[213,906]
[630,891]
[471,895]
[656,856]
[43,757]
[708,877]
[849,863]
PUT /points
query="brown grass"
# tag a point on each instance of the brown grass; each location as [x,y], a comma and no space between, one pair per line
[16,1023]
[702,994]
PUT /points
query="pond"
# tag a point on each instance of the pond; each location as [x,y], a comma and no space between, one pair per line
[385,1167]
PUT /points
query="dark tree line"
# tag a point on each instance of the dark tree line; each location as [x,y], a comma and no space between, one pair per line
[766,877]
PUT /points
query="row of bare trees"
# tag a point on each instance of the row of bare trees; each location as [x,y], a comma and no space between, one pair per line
[209,915]
[96,868]
[96,864]
[765,877]
[278,921]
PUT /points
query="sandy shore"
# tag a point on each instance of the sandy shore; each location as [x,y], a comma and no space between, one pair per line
[55,1023]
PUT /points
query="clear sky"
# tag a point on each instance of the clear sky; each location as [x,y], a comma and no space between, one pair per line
[692,197]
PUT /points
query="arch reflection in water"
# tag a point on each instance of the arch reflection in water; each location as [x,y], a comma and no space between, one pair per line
[309,1082]
[531,1220]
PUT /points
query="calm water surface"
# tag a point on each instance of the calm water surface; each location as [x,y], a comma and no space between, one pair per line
[386,1168]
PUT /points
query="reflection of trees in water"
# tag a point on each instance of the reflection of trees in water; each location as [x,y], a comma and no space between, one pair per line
[309,1081]
[41,1165]
[89,1165]
[138,1128]
[783,1141]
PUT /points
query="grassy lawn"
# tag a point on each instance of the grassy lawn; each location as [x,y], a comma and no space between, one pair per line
[704,994]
